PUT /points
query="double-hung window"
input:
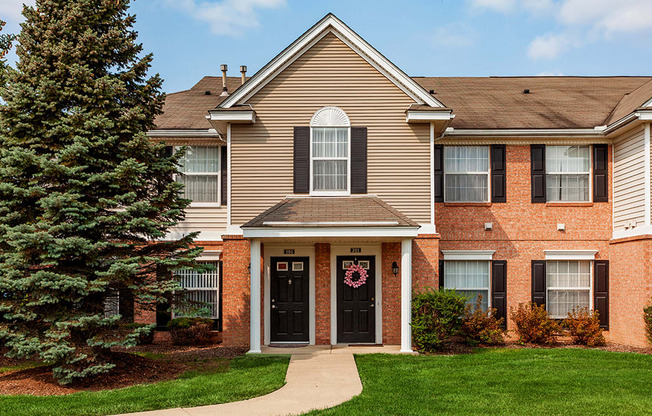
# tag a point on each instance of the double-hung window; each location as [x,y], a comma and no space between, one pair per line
[202,289]
[568,172]
[200,168]
[330,159]
[568,286]
[466,173]
[469,278]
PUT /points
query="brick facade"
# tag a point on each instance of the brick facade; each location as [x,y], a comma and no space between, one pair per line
[391,290]
[235,291]
[322,293]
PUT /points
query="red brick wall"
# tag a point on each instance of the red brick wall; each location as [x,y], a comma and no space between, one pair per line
[322,293]
[425,261]
[391,289]
[522,230]
[630,289]
[235,291]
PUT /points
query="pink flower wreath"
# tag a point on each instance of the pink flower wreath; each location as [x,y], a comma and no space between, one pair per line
[362,276]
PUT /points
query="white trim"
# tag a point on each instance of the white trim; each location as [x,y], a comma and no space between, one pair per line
[633,232]
[432,175]
[346,192]
[468,254]
[648,103]
[589,173]
[254,297]
[229,175]
[487,173]
[342,119]
[330,223]
[210,255]
[414,116]
[648,182]
[218,175]
[644,115]
[179,232]
[619,123]
[479,289]
[367,250]
[331,24]
[245,116]
[590,288]
[360,232]
[406,295]
[276,250]
[453,132]
[570,254]
[183,133]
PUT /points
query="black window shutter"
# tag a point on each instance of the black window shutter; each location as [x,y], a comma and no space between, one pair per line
[438,168]
[441,274]
[301,160]
[224,166]
[538,165]
[600,173]
[601,291]
[499,287]
[498,173]
[168,151]
[539,282]
[358,160]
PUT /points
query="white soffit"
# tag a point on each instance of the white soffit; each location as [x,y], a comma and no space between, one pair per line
[570,254]
[321,232]
[468,254]
[331,24]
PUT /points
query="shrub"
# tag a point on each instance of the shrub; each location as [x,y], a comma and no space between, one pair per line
[584,327]
[533,324]
[482,327]
[436,318]
[647,317]
[190,331]
[145,337]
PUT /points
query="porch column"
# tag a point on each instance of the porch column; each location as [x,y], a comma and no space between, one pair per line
[254,298]
[406,295]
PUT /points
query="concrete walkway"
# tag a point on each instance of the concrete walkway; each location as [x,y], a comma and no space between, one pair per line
[318,377]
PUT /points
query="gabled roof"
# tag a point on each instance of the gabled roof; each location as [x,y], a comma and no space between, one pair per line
[353,211]
[331,24]
[640,97]
[552,102]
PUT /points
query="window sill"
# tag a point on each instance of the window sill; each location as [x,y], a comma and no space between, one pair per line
[569,204]
[467,204]
[205,205]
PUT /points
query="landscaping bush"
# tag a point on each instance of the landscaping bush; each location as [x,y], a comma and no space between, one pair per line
[482,327]
[190,331]
[647,317]
[145,337]
[436,318]
[583,326]
[533,324]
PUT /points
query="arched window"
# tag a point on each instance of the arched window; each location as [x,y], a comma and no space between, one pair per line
[330,162]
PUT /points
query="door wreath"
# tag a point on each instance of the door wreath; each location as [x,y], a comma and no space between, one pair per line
[355,276]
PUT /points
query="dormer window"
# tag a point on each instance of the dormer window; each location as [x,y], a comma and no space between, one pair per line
[330,162]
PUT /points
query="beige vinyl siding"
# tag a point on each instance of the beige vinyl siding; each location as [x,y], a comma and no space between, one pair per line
[629,179]
[330,74]
[204,219]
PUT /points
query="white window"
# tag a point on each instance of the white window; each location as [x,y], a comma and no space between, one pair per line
[202,289]
[568,286]
[330,150]
[469,278]
[200,168]
[568,173]
[466,173]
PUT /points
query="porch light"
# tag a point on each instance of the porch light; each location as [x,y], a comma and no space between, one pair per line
[394,268]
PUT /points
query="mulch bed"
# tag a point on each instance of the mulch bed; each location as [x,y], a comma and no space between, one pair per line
[170,362]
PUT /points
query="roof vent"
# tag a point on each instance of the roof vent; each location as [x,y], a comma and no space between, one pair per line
[431,91]
[526,91]
[207,92]
[225,92]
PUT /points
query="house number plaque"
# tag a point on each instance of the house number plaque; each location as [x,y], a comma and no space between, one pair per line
[356,250]
[288,251]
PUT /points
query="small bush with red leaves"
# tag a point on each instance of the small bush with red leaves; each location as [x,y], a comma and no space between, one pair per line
[533,324]
[190,331]
[481,327]
[647,317]
[583,326]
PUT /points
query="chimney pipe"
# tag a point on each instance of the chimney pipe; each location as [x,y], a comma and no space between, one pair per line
[243,71]
[224,68]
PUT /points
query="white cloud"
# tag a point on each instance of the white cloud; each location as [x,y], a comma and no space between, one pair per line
[226,17]
[549,46]
[10,10]
[455,34]
[503,6]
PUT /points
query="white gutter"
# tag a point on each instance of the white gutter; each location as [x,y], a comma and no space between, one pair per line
[588,132]
[183,133]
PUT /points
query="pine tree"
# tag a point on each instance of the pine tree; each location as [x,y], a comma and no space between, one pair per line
[86,200]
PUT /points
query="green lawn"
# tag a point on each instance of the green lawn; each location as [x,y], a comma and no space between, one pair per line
[504,382]
[246,377]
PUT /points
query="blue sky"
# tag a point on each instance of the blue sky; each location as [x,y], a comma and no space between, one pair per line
[191,38]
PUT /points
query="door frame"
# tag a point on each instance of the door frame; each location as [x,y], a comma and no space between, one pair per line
[374,250]
[277,250]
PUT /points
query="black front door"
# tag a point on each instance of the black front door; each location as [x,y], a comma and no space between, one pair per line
[356,316]
[289,299]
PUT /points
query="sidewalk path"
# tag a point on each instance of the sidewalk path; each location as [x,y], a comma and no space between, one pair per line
[317,378]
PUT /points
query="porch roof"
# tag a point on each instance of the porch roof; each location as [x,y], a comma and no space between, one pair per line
[320,212]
